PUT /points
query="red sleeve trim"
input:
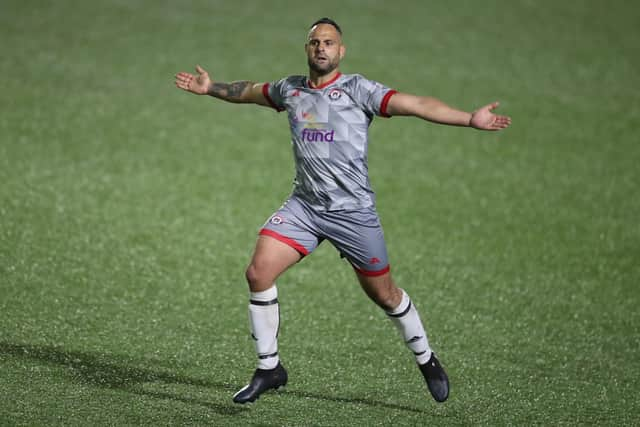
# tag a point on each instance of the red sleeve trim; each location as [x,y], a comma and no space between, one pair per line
[373,273]
[265,92]
[385,102]
[284,239]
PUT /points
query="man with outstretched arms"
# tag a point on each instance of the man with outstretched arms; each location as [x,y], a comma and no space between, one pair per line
[329,115]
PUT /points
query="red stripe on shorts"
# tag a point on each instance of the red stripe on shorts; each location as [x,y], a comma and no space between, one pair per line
[373,273]
[284,239]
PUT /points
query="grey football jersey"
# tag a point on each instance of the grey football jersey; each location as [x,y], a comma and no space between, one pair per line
[329,133]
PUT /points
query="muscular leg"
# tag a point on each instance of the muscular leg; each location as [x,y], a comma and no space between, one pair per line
[382,290]
[270,259]
[396,303]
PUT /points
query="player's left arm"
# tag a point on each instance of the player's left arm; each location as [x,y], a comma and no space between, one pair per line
[434,110]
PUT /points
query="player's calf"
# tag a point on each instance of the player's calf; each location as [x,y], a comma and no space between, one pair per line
[407,320]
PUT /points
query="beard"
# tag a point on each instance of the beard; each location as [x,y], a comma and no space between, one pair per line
[324,69]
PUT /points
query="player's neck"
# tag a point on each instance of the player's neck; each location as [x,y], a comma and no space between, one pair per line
[318,81]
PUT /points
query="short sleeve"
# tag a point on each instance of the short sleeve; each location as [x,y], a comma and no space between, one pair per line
[274,94]
[373,96]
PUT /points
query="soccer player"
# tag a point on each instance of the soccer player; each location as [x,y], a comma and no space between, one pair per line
[329,115]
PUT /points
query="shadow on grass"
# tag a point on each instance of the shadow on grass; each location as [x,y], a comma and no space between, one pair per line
[109,372]
[106,371]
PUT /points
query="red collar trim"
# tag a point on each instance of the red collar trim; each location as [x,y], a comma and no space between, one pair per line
[322,86]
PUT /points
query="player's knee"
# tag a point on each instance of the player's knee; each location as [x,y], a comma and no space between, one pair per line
[251,274]
[387,298]
[385,302]
[257,278]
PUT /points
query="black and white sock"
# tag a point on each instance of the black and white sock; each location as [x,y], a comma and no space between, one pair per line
[407,320]
[264,318]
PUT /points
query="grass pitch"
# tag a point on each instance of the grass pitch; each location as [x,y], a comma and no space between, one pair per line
[128,211]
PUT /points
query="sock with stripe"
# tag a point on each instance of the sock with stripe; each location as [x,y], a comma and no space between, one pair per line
[407,320]
[264,318]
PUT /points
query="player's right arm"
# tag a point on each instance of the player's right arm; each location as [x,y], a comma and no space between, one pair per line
[240,92]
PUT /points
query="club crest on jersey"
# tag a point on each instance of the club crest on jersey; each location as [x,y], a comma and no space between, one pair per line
[276,220]
[335,94]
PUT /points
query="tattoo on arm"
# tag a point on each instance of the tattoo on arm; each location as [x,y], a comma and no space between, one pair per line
[229,91]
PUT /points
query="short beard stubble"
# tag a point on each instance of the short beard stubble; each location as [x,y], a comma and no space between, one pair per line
[322,71]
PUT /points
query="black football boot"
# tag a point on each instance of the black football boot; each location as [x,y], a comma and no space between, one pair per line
[262,380]
[436,379]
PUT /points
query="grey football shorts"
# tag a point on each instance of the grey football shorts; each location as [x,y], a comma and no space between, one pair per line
[356,234]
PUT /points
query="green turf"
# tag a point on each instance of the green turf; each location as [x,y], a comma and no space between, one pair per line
[128,211]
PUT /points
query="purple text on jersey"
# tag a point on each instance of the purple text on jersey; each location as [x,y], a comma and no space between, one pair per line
[317,135]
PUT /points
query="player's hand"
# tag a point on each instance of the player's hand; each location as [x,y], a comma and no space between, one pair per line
[484,119]
[198,84]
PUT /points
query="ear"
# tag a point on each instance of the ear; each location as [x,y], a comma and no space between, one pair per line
[343,50]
